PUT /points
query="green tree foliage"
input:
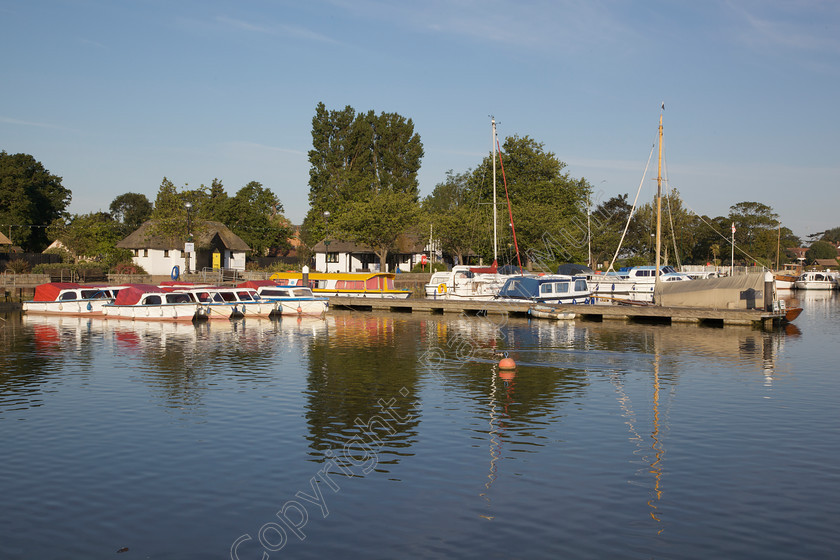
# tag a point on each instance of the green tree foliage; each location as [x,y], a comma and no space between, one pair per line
[92,236]
[354,156]
[679,227]
[451,210]
[756,231]
[172,217]
[255,214]
[607,223]
[832,235]
[379,220]
[548,205]
[131,209]
[30,199]
[821,250]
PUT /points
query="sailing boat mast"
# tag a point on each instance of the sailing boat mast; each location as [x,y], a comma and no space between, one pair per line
[495,217]
[659,200]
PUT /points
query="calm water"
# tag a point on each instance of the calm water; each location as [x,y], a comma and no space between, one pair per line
[394,436]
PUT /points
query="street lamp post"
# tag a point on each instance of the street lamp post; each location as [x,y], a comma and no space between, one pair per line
[327,241]
[188,247]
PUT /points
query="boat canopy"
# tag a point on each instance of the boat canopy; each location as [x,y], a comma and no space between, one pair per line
[132,294]
[254,284]
[50,291]
[571,269]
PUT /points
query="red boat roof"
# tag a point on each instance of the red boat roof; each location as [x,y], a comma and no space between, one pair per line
[132,294]
[49,292]
[254,284]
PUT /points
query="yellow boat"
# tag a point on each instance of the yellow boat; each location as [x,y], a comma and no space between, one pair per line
[349,284]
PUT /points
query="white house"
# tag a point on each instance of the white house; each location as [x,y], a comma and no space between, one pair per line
[346,256]
[215,247]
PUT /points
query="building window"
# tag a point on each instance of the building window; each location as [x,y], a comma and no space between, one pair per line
[145,252]
[166,253]
[136,252]
[332,257]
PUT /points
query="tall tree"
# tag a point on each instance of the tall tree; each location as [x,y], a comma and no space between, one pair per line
[131,209]
[92,236]
[379,220]
[453,215]
[255,214]
[756,234]
[172,216]
[31,198]
[548,205]
[354,156]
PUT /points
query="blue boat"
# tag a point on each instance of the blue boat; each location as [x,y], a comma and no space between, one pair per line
[550,288]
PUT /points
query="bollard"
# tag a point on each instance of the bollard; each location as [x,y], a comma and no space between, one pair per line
[768,291]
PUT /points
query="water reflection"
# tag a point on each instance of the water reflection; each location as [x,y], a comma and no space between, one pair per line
[361,391]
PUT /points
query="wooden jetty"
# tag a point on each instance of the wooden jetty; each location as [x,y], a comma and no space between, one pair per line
[638,313]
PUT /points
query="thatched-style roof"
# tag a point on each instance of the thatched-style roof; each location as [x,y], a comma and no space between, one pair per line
[208,231]
[5,240]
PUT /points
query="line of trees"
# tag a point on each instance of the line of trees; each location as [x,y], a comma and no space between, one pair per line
[363,187]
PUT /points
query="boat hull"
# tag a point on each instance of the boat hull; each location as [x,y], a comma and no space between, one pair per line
[549,312]
[162,312]
[67,307]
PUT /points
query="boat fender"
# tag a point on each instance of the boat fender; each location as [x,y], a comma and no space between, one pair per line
[299,310]
[89,306]
[441,288]
[176,272]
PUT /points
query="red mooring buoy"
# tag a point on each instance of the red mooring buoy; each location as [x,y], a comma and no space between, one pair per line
[507,363]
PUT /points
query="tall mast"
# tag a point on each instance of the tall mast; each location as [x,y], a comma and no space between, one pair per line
[495,218]
[659,200]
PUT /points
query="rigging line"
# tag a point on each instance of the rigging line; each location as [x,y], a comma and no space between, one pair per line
[632,210]
[510,211]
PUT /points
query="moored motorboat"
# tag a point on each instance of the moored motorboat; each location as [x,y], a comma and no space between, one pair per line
[348,284]
[463,283]
[292,300]
[230,303]
[549,289]
[816,280]
[69,298]
[153,303]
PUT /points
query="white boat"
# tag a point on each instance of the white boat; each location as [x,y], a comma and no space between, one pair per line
[549,312]
[292,300]
[815,280]
[634,284]
[153,303]
[231,303]
[461,283]
[347,284]
[67,298]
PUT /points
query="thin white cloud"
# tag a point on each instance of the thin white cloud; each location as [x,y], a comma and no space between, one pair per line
[806,26]
[9,120]
[278,29]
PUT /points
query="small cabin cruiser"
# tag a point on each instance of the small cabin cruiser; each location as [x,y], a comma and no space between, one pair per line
[153,303]
[231,303]
[815,280]
[292,300]
[346,284]
[551,288]
[463,283]
[68,298]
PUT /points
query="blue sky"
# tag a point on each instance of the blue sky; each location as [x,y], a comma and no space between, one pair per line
[114,95]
